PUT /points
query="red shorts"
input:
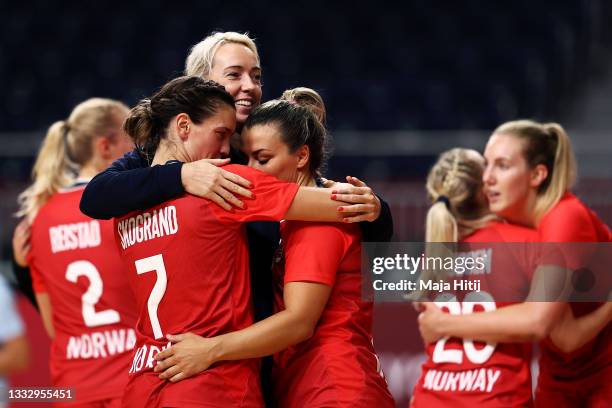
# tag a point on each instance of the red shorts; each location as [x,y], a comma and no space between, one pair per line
[232,386]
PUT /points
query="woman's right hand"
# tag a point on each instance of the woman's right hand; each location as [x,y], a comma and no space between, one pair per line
[207,179]
[21,243]
[189,355]
[430,321]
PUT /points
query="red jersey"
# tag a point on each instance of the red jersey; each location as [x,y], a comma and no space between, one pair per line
[187,261]
[337,366]
[591,366]
[75,261]
[466,373]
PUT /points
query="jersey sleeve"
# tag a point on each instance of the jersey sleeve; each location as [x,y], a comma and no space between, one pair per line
[270,202]
[129,184]
[313,252]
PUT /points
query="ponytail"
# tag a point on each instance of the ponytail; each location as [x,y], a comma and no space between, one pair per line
[563,172]
[68,145]
[441,225]
[52,171]
[454,187]
[141,128]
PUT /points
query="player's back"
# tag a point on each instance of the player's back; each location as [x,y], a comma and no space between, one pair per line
[462,372]
[187,261]
[75,261]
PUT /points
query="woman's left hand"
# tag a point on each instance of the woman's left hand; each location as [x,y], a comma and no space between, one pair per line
[430,320]
[189,355]
[365,205]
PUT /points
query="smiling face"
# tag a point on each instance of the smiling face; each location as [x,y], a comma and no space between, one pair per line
[509,182]
[268,153]
[209,139]
[236,67]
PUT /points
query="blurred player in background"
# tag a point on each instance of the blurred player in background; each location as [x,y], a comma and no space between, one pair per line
[81,288]
[530,171]
[515,171]
[14,350]
[321,332]
[456,372]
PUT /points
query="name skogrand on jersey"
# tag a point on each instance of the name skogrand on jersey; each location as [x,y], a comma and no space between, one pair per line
[148,225]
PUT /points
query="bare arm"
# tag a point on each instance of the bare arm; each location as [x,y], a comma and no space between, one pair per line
[571,333]
[522,322]
[314,204]
[14,356]
[529,321]
[192,354]
[46,312]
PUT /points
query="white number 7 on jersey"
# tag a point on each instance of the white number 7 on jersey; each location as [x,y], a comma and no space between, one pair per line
[154,263]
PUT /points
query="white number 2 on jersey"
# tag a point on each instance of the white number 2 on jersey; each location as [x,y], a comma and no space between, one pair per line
[476,356]
[154,263]
[92,295]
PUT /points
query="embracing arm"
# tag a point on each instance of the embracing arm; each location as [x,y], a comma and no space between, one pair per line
[314,204]
[128,185]
[304,303]
[192,354]
[531,320]
[571,333]
[371,211]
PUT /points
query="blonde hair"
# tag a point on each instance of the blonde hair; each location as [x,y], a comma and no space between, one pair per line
[68,145]
[200,59]
[308,98]
[547,144]
[456,178]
